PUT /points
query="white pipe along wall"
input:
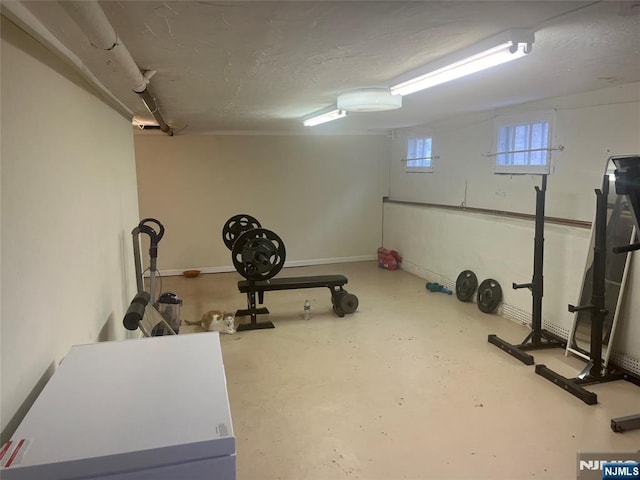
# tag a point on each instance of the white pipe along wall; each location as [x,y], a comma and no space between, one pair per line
[20,15]
[94,23]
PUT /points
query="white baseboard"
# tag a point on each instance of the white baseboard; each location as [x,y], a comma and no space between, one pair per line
[328,261]
[178,271]
[294,263]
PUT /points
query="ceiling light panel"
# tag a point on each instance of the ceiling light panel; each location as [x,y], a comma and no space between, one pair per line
[324,116]
[503,48]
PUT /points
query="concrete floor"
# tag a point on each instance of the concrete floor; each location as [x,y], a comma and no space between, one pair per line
[406,387]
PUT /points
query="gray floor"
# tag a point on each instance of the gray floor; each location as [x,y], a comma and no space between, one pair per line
[406,387]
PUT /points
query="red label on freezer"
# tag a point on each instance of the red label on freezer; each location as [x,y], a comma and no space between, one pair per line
[5,449]
[13,451]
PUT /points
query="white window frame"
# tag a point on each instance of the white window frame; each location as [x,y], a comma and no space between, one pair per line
[524,119]
[418,168]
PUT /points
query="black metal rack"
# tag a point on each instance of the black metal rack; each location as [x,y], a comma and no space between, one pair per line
[628,183]
[538,338]
[594,372]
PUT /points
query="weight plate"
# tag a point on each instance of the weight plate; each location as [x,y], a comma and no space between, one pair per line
[236,226]
[345,302]
[466,285]
[348,302]
[258,254]
[489,295]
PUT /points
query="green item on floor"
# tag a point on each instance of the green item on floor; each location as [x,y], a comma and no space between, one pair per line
[436,287]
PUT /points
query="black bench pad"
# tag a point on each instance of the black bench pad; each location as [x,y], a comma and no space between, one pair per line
[290,283]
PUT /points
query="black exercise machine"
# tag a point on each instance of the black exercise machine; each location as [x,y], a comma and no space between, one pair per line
[596,372]
[538,338]
[258,255]
[628,183]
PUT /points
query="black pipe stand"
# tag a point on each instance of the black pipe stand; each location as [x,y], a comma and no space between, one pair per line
[595,372]
[253,310]
[538,338]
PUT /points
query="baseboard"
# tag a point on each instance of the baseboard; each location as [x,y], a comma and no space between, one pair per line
[294,263]
[328,261]
[178,272]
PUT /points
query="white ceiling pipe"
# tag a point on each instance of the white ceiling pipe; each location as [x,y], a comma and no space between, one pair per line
[22,16]
[91,19]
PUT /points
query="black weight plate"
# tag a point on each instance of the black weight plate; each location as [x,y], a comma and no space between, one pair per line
[466,285]
[258,254]
[347,302]
[236,226]
[489,295]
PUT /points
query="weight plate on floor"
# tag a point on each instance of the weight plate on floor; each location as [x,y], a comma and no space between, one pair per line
[466,285]
[258,254]
[347,302]
[236,226]
[489,295]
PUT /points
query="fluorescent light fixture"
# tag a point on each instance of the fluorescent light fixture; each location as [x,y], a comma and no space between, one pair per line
[323,116]
[369,100]
[507,46]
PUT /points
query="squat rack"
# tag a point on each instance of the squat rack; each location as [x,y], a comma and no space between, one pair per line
[627,183]
[538,338]
[594,372]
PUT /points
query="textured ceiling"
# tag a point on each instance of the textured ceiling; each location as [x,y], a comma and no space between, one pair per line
[262,66]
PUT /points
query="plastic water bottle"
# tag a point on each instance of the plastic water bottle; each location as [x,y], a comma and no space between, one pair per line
[307,310]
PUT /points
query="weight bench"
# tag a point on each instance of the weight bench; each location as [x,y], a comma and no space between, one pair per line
[343,301]
[258,255]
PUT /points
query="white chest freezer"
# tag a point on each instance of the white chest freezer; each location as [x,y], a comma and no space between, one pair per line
[148,409]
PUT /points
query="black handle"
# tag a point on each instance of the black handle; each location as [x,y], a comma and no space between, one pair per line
[626,248]
[522,285]
[149,230]
[580,308]
[136,309]
[154,236]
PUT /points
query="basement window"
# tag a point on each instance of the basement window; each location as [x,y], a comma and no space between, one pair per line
[523,143]
[419,156]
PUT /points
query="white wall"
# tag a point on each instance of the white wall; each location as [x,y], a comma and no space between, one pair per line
[321,194]
[590,126]
[439,243]
[442,243]
[69,202]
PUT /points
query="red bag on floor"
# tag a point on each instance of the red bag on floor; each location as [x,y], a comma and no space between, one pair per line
[388,259]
